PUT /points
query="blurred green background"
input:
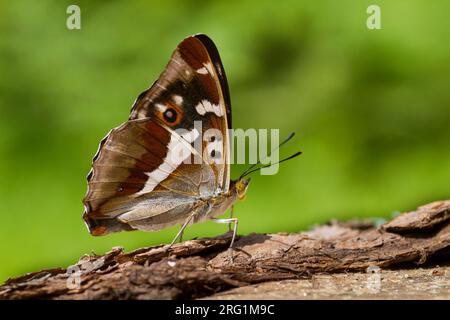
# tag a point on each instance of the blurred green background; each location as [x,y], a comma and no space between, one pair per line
[371,109]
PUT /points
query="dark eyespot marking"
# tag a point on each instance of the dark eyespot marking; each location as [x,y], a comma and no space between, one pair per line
[212,139]
[170,115]
[215,154]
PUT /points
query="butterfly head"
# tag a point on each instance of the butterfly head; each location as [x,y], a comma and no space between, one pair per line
[241,188]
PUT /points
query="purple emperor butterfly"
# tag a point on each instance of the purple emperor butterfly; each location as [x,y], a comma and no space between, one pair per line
[147,174]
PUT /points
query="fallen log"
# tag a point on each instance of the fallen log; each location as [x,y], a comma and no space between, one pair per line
[203,268]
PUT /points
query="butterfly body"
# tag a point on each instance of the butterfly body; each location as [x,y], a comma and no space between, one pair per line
[148,173]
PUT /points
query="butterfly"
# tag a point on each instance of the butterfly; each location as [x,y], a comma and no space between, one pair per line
[147,173]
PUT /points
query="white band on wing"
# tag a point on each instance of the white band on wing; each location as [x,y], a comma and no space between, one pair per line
[179,149]
[205,106]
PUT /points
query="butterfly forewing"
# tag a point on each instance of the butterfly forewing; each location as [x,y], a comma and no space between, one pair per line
[136,182]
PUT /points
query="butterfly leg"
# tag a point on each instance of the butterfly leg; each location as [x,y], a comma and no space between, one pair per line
[180,233]
[231,217]
[180,239]
[230,221]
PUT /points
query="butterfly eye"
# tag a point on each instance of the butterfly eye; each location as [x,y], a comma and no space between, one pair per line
[170,115]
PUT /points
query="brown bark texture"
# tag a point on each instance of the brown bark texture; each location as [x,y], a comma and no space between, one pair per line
[203,268]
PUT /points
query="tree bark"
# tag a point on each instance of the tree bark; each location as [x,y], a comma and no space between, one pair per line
[204,269]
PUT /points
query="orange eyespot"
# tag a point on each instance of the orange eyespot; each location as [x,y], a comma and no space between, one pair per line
[172,115]
[99,231]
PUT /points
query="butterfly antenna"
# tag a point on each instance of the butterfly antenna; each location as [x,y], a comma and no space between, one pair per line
[289,137]
[271,164]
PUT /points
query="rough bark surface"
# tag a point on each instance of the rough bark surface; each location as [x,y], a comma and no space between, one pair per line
[203,268]
[416,283]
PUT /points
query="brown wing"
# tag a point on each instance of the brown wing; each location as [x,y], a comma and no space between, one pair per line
[139,175]
[193,84]
[135,182]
